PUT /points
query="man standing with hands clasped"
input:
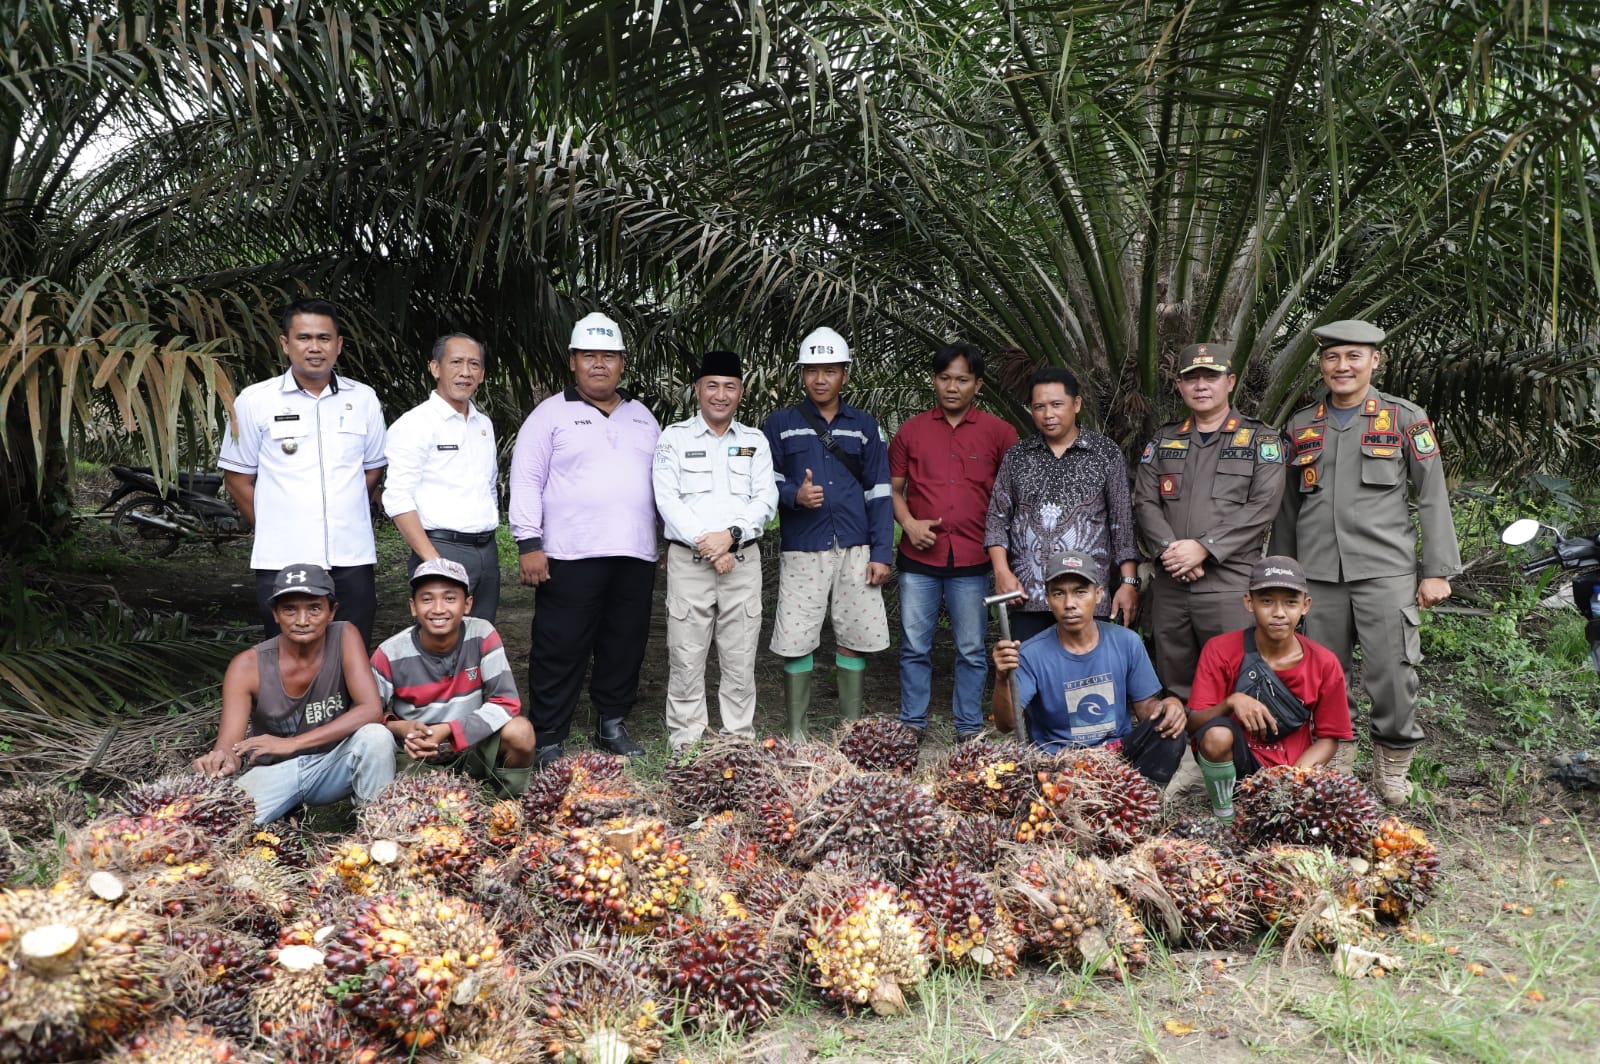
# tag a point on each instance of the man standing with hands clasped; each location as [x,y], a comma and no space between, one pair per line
[837,526]
[1358,457]
[715,491]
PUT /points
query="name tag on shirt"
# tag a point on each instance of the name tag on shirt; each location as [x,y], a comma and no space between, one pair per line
[447,447]
[694,454]
[286,417]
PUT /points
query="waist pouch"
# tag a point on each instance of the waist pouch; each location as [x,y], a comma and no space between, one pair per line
[1257,680]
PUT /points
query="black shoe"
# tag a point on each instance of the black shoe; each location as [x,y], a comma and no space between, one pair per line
[613,735]
[545,756]
[963,738]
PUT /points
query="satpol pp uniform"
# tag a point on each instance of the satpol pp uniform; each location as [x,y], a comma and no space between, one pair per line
[1221,489]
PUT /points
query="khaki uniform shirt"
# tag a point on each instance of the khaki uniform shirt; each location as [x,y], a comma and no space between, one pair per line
[1222,492]
[1346,513]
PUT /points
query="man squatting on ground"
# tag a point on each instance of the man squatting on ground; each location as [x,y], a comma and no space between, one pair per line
[837,529]
[448,688]
[1065,489]
[1086,682]
[942,466]
[1357,458]
[1266,695]
[1206,490]
[715,491]
[443,486]
[301,709]
[300,458]
[584,517]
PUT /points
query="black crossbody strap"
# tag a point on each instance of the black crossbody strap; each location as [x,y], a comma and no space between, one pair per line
[846,459]
[1254,670]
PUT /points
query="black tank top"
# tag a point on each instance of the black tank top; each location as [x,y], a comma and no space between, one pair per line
[278,713]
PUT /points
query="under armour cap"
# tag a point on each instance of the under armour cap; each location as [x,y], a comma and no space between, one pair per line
[596,332]
[1215,357]
[1278,570]
[1072,563]
[823,347]
[442,569]
[1349,331]
[301,579]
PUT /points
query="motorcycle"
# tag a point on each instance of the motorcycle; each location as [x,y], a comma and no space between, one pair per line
[152,521]
[1581,555]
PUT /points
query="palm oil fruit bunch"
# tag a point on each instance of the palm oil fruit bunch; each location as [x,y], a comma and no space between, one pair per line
[724,971]
[212,973]
[75,975]
[1068,912]
[968,925]
[867,947]
[1402,867]
[975,841]
[628,873]
[361,869]
[36,812]
[504,824]
[881,744]
[1093,801]
[881,818]
[1307,893]
[992,779]
[720,774]
[215,805]
[1305,807]
[596,790]
[412,801]
[596,1001]
[412,964]
[1208,889]
[180,1041]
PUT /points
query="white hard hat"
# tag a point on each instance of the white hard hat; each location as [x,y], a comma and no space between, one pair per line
[822,347]
[596,332]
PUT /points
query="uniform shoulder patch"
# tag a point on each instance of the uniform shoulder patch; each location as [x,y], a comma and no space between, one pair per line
[1269,450]
[1423,442]
[1149,453]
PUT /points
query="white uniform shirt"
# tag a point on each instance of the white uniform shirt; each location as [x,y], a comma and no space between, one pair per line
[443,465]
[707,483]
[310,454]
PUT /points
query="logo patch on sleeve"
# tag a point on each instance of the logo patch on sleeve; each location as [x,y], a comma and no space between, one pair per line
[1269,450]
[1423,442]
[1149,453]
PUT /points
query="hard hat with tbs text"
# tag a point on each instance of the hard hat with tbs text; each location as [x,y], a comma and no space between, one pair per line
[823,347]
[596,332]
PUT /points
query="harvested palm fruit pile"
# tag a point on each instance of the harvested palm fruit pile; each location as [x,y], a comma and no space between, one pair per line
[588,919]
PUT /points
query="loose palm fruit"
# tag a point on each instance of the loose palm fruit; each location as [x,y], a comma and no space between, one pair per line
[1206,891]
[968,924]
[880,818]
[1305,807]
[724,971]
[413,964]
[1068,912]
[1093,801]
[630,874]
[1307,893]
[1403,867]
[881,744]
[75,975]
[988,778]
[215,805]
[599,1001]
[180,1041]
[868,946]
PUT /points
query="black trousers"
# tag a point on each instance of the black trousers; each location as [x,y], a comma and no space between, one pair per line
[1156,758]
[354,591]
[595,608]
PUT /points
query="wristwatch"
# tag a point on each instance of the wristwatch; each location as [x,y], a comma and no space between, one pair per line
[733,530]
[1131,581]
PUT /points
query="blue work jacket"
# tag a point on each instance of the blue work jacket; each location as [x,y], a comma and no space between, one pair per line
[852,513]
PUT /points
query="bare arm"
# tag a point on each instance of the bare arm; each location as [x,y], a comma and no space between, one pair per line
[374,478]
[242,490]
[1319,753]
[1006,659]
[1167,712]
[365,708]
[410,527]
[239,686]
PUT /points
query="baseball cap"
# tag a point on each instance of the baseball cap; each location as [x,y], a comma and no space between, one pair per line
[1348,331]
[301,579]
[1072,563]
[442,569]
[1217,357]
[1278,570]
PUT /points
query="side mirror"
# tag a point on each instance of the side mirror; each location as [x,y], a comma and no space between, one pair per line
[1519,532]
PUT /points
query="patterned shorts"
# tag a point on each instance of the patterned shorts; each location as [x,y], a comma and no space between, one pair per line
[807,580]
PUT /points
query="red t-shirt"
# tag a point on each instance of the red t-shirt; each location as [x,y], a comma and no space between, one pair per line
[1318,681]
[949,473]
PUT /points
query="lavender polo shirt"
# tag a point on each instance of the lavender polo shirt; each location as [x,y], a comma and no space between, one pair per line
[580,480]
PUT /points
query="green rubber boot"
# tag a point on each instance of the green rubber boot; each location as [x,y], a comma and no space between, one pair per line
[510,782]
[852,673]
[797,700]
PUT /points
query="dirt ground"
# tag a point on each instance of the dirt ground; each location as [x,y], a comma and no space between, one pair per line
[1504,965]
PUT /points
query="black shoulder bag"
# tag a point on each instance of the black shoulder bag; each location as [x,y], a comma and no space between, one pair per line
[846,459]
[1257,680]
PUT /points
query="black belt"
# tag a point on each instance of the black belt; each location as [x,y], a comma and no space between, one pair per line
[475,539]
[692,549]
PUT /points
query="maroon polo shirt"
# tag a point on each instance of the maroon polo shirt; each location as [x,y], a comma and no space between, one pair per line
[949,473]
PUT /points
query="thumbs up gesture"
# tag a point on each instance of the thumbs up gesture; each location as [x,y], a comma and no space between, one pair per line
[923,534]
[810,493]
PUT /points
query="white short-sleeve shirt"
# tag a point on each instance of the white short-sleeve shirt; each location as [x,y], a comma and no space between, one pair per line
[443,465]
[310,455]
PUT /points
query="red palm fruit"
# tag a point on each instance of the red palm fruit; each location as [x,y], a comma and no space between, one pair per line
[881,744]
[724,972]
[988,778]
[1305,807]
[1403,866]
[1068,912]
[969,926]
[1093,801]
[867,945]
[879,818]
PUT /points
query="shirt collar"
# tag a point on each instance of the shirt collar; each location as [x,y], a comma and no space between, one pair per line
[441,407]
[970,416]
[572,395]
[287,383]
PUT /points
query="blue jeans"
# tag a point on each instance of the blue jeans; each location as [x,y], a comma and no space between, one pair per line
[921,597]
[361,765]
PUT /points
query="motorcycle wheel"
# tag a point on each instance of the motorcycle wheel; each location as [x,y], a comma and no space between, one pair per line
[139,538]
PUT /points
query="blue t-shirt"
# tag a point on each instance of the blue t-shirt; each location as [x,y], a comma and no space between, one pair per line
[1083,699]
